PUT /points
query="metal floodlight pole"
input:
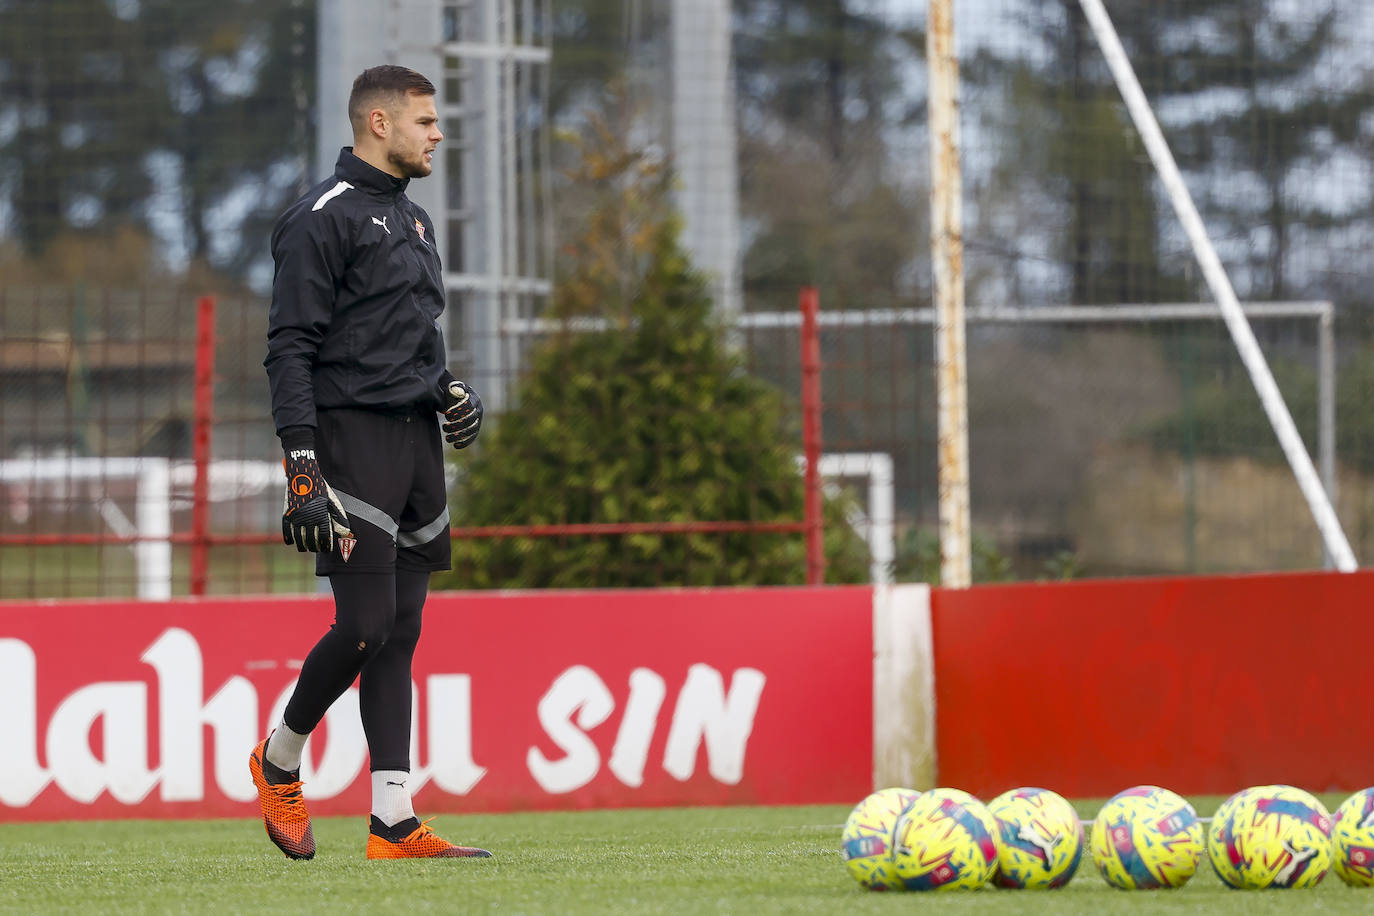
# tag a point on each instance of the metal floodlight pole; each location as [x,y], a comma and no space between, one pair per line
[947,251]
[1274,407]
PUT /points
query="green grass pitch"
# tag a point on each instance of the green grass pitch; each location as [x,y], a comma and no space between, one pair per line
[751,861]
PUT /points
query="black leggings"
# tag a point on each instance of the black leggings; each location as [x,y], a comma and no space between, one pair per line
[376,626]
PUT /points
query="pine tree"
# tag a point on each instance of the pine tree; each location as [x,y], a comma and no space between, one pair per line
[650,419]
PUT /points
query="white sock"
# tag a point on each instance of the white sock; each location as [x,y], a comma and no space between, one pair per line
[284,748]
[391,796]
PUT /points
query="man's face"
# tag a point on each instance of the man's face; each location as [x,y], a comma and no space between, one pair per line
[414,135]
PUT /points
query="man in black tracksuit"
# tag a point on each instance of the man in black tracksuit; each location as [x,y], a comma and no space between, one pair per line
[355,359]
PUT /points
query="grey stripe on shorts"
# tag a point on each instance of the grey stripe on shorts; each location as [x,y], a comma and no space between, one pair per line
[424,535]
[356,508]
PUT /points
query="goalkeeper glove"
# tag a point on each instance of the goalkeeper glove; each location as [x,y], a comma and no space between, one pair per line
[463,416]
[312,517]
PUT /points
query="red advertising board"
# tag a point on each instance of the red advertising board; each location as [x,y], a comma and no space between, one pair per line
[524,701]
[1201,685]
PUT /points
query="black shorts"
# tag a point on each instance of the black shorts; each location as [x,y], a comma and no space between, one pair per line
[387,468]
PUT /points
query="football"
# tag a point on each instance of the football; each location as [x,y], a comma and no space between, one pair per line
[1270,836]
[945,840]
[1352,839]
[1039,839]
[866,843]
[1146,837]
[1221,846]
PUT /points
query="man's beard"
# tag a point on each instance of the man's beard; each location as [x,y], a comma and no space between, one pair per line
[410,168]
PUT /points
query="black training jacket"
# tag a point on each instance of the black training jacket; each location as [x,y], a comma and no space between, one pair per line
[356,299]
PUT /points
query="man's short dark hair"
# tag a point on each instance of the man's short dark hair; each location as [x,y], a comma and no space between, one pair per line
[383,87]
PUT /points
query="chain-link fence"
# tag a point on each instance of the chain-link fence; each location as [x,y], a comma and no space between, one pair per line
[1097,448]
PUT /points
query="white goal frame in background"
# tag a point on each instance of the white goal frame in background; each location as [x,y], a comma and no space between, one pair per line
[877,523]
[1322,312]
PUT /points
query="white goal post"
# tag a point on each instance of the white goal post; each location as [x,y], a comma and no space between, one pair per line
[876,525]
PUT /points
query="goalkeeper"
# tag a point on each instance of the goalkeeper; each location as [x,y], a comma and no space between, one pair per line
[355,360]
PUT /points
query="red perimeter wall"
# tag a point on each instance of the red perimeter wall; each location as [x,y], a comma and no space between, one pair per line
[755,696]
[525,700]
[1202,685]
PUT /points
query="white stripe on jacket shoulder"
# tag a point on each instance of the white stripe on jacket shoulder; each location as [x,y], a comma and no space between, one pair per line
[329,195]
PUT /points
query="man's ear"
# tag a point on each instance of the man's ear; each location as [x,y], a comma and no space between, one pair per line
[378,123]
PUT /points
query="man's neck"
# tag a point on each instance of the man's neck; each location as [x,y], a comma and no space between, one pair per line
[377,159]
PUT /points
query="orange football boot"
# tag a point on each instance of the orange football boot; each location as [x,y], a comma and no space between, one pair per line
[283,808]
[411,839]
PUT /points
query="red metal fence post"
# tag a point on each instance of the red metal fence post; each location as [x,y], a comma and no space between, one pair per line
[204,420]
[811,434]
